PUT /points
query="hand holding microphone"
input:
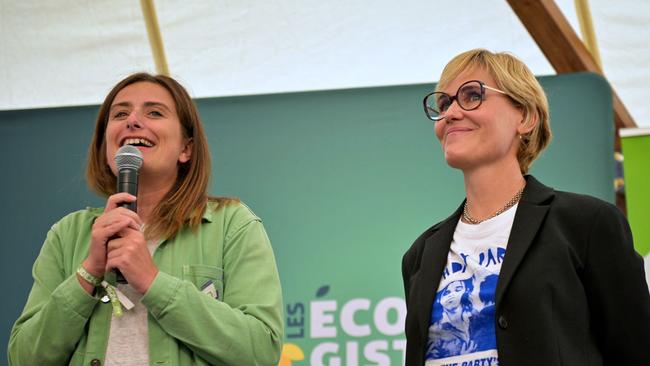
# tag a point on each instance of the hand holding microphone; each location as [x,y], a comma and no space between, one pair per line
[115,223]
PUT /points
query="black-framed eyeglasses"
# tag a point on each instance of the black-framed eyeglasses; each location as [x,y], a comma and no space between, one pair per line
[469,96]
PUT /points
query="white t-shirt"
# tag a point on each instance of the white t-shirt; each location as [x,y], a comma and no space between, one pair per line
[128,339]
[461,329]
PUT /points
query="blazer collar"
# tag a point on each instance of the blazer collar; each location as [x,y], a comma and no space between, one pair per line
[434,259]
[532,209]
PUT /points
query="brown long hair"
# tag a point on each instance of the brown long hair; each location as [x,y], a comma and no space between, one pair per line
[187,199]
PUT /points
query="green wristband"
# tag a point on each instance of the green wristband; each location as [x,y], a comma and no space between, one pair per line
[95,281]
[112,295]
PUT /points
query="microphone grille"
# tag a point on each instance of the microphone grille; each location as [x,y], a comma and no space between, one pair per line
[128,157]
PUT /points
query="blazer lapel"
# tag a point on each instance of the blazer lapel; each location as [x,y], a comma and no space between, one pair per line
[433,261]
[531,212]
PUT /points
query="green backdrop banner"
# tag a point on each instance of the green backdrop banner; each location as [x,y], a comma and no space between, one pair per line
[344,180]
[636,144]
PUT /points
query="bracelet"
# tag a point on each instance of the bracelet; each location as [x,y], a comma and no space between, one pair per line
[95,281]
[111,291]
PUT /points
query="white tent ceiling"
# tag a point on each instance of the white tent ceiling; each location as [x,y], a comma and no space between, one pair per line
[65,52]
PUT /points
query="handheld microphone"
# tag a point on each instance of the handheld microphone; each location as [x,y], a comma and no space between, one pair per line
[129,161]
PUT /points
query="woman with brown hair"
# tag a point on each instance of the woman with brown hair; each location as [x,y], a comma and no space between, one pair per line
[560,282]
[203,286]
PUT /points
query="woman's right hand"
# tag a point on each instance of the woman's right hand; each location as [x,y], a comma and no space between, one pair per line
[107,225]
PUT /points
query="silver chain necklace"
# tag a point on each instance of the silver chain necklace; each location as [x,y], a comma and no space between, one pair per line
[513,201]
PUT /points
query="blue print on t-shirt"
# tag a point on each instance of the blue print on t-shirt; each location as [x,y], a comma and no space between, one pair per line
[461,323]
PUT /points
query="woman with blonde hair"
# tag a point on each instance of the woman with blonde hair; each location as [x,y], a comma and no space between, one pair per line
[202,284]
[569,288]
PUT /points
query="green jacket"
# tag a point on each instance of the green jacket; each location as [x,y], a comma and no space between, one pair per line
[62,324]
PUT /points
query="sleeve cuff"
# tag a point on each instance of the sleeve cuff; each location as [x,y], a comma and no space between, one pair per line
[162,291]
[72,295]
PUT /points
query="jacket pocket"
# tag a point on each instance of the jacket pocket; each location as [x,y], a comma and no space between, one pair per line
[208,279]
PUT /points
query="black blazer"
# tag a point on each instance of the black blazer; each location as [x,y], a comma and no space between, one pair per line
[571,291]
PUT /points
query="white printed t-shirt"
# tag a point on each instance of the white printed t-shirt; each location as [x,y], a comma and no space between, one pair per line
[461,329]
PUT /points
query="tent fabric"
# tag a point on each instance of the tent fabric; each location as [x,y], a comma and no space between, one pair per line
[65,52]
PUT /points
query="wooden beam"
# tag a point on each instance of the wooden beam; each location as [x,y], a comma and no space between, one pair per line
[561,45]
[155,39]
[587,30]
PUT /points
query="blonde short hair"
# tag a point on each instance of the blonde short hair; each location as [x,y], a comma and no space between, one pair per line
[513,77]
